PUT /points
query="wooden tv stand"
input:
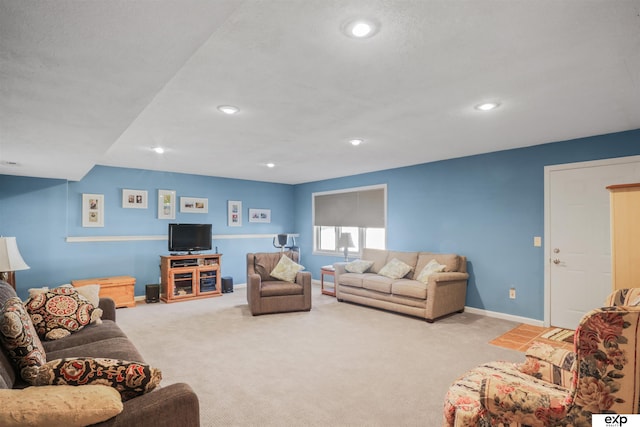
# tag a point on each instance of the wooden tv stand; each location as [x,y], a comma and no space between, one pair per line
[188,277]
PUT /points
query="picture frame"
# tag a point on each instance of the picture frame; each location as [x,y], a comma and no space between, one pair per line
[166,204]
[92,210]
[260,215]
[234,213]
[134,199]
[194,205]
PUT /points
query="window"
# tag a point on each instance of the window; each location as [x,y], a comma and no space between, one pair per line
[361,212]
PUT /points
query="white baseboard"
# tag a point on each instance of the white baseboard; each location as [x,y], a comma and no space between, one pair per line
[472,310]
[504,316]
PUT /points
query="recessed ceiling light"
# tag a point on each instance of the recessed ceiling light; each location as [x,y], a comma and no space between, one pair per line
[361,28]
[158,150]
[271,165]
[487,106]
[228,109]
[355,142]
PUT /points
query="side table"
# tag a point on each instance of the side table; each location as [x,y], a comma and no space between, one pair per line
[327,270]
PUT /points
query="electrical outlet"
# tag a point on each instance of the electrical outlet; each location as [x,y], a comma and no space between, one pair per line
[512,293]
[537,241]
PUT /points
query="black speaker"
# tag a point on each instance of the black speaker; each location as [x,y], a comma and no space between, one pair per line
[152,293]
[227,284]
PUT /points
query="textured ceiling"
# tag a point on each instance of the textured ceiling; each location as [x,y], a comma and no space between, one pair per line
[103,81]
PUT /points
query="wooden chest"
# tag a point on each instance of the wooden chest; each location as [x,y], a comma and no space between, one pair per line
[119,288]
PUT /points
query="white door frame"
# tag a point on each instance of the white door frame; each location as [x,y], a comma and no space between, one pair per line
[547,213]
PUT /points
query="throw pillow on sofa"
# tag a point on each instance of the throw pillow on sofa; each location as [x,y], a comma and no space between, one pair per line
[358,266]
[59,406]
[130,379]
[431,267]
[58,312]
[90,292]
[286,269]
[395,269]
[19,337]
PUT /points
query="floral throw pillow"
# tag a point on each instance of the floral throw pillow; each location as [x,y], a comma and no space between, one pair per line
[431,267]
[18,336]
[286,269]
[358,266]
[131,379]
[395,269]
[58,312]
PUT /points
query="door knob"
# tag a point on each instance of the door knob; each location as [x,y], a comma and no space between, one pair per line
[556,261]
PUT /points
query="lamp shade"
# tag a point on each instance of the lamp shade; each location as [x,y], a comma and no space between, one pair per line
[345,241]
[10,258]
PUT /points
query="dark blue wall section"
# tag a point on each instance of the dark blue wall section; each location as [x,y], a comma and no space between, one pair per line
[487,207]
[42,213]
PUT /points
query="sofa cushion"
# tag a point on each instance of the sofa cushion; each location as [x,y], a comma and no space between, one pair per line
[7,371]
[59,406]
[59,312]
[130,379]
[18,336]
[431,267]
[409,288]
[378,256]
[409,258]
[451,261]
[358,266]
[395,269]
[273,288]
[88,335]
[112,348]
[377,283]
[286,269]
[353,279]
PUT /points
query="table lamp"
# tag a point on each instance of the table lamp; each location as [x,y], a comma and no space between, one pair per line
[346,242]
[10,260]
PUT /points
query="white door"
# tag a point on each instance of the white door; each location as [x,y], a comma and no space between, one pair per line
[578,242]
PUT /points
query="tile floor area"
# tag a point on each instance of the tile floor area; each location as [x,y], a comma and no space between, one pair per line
[522,336]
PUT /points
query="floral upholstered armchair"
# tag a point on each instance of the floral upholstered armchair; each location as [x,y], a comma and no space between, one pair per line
[557,387]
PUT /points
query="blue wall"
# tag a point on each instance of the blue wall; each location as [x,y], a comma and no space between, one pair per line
[42,213]
[487,207]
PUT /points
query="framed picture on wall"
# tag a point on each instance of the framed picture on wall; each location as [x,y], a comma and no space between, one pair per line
[260,215]
[194,205]
[93,210]
[234,213]
[134,199]
[166,204]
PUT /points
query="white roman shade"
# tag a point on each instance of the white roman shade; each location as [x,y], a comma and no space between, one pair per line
[359,208]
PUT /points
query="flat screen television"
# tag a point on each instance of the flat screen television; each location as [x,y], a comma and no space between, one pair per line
[189,237]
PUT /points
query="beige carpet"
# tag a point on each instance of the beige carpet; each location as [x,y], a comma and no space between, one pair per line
[338,365]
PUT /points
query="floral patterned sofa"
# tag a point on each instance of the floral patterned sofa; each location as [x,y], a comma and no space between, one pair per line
[556,387]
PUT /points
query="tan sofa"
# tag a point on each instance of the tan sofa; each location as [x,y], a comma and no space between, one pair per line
[444,293]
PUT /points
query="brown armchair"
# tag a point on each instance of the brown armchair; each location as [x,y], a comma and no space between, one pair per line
[266,294]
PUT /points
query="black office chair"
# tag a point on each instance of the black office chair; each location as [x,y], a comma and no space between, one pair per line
[281,241]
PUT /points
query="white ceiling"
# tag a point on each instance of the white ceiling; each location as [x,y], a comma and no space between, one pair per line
[100,82]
